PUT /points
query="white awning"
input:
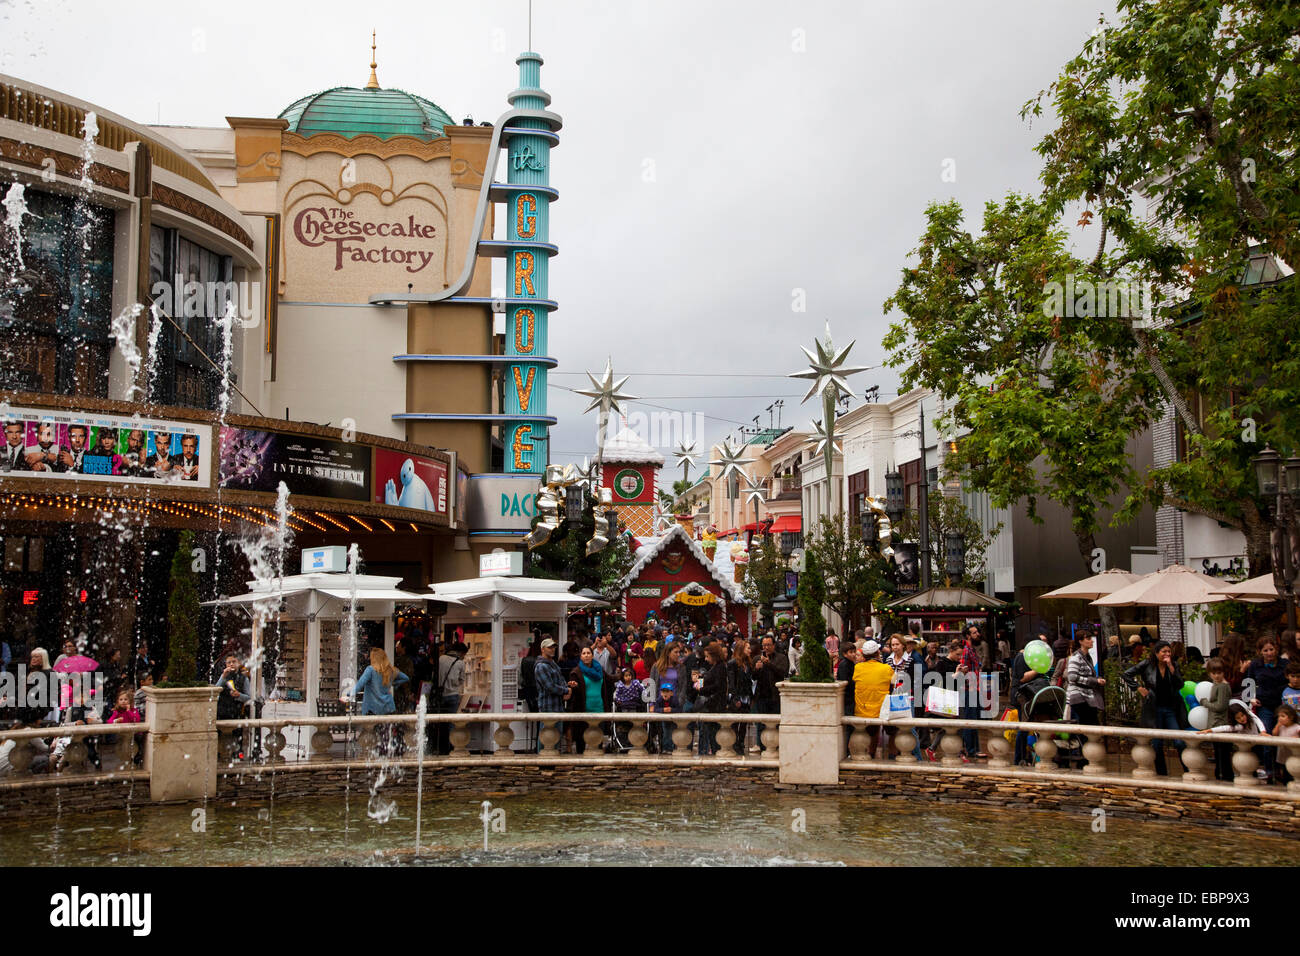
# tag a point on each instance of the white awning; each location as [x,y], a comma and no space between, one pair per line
[390,594]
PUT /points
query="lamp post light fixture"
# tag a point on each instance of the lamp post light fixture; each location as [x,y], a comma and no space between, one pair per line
[954,556]
[1280,481]
[894,504]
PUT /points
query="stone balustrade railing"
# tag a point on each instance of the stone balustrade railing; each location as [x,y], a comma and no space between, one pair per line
[369,731]
[115,745]
[1047,748]
[810,742]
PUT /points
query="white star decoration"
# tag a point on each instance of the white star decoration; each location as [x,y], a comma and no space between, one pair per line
[605,394]
[587,473]
[730,459]
[821,438]
[827,369]
[686,452]
[754,492]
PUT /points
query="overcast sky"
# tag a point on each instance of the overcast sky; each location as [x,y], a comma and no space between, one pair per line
[715,157]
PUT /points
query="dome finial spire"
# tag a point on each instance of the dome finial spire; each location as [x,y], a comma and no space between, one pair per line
[373,82]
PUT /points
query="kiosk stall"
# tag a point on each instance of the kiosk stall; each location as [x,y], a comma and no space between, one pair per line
[496,615]
[310,614]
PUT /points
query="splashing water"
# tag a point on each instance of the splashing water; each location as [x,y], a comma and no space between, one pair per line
[15,203]
[155,330]
[421,711]
[226,323]
[89,130]
[123,330]
[348,676]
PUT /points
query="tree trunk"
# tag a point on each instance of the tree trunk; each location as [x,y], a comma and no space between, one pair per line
[1259,547]
[1109,623]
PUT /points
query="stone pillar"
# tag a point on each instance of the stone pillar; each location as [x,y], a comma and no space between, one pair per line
[811,734]
[181,753]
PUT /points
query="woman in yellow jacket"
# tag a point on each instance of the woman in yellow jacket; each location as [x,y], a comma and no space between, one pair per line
[872,679]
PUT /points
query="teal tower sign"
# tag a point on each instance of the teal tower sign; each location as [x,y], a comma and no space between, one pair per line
[528,193]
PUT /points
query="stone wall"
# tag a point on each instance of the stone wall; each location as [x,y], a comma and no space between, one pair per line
[44,796]
[1255,812]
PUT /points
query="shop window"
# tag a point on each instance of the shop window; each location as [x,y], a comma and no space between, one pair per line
[196,286]
[55,318]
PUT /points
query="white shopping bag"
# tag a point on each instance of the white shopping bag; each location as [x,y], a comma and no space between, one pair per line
[895,706]
[942,700]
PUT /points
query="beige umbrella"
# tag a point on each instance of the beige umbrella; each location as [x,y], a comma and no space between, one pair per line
[1099,585]
[1258,590]
[1174,586]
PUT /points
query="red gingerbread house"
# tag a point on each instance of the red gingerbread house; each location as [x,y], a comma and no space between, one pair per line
[630,471]
[672,580]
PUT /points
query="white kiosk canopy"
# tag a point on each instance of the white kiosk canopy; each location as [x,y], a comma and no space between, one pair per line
[500,599]
[310,598]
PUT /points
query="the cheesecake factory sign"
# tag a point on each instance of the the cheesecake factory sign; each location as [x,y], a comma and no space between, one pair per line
[355,239]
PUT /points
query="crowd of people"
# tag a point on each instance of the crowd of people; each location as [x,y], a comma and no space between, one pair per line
[663,670]
[116,697]
[1250,693]
[667,669]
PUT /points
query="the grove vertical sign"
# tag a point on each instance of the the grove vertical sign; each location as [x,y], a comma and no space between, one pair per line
[527,265]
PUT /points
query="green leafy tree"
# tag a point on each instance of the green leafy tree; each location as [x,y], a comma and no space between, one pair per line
[815,662]
[853,571]
[1048,398]
[948,515]
[764,577]
[1194,105]
[183,616]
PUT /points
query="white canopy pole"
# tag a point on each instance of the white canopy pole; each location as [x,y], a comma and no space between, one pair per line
[498,653]
[313,663]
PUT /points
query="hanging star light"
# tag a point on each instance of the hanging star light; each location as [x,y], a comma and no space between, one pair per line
[605,395]
[827,371]
[732,462]
[686,452]
[587,473]
[821,438]
[754,493]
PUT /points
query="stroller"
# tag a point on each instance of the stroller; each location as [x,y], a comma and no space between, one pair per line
[1042,702]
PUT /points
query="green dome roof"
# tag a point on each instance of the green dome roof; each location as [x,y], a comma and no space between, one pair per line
[350,112]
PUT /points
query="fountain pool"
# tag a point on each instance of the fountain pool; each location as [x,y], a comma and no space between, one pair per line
[620,828]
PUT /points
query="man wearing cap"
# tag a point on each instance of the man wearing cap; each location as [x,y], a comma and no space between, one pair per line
[872,679]
[552,688]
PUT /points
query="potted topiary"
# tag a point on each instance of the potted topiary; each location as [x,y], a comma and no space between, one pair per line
[181,749]
[812,700]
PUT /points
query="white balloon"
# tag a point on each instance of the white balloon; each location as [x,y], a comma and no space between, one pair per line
[1199,718]
[1203,691]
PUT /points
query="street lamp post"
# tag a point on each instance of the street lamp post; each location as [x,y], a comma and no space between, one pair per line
[1280,481]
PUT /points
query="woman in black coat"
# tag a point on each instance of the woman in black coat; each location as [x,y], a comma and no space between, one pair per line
[712,696]
[1160,683]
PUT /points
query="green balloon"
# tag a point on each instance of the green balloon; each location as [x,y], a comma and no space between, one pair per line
[1039,656]
[1189,688]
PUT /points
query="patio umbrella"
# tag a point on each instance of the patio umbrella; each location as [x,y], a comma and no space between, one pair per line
[75,664]
[1099,585]
[1174,586]
[1260,589]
